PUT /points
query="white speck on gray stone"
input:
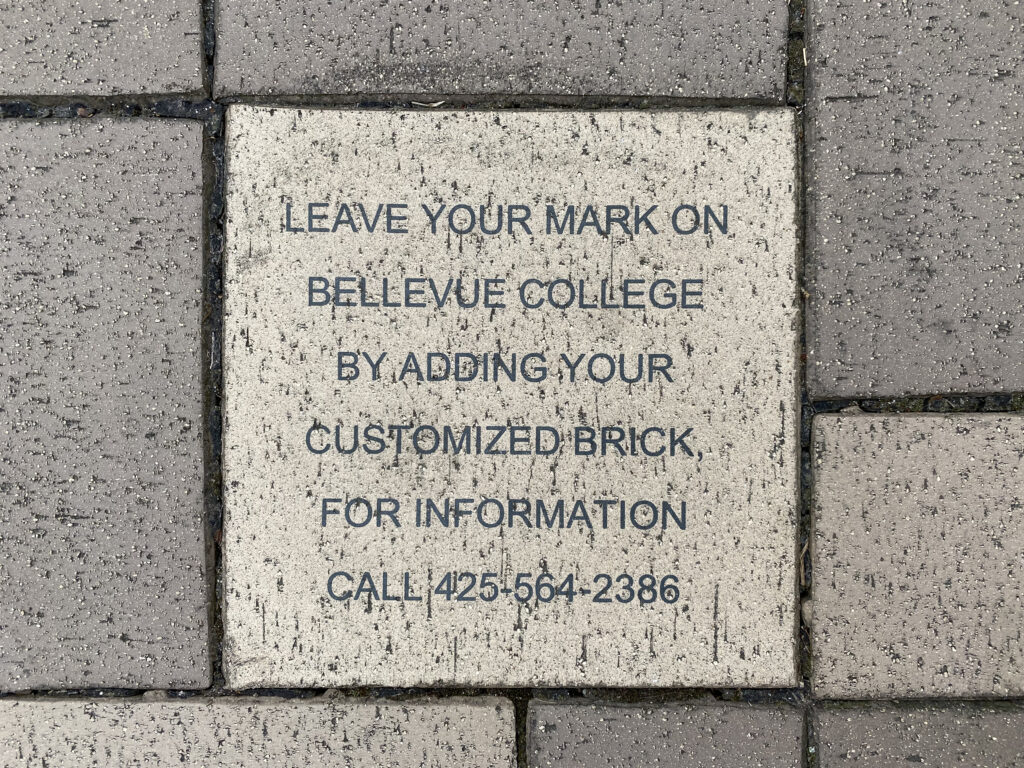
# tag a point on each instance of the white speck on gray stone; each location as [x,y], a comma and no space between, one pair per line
[734,382]
[681,736]
[915,198]
[250,733]
[102,579]
[713,49]
[100,47]
[884,736]
[918,546]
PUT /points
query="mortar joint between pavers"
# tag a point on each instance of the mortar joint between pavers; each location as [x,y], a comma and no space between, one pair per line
[214,185]
[947,403]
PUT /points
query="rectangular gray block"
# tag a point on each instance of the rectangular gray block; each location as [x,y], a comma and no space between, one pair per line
[250,733]
[103,578]
[717,49]
[100,47]
[877,736]
[915,200]
[917,556]
[681,736]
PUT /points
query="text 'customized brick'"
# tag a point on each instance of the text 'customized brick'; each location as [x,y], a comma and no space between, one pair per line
[510,398]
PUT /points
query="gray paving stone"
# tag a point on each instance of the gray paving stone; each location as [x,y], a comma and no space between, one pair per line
[102,582]
[716,49]
[100,47]
[690,736]
[246,733]
[917,556]
[876,736]
[305,582]
[915,200]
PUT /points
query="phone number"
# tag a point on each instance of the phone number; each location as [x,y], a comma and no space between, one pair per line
[546,588]
[523,587]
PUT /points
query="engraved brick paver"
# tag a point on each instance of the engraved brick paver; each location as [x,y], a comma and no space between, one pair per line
[302,584]
[102,579]
[918,547]
[682,736]
[875,736]
[915,198]
[247,733]
[717,49]
[100,47]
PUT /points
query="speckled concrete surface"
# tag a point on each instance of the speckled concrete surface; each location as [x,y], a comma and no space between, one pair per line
[100,47]
[733,382]
[882,736]
[567,735]
[102,579]
[918,545]
[915,197]
[245,733]
[713,49]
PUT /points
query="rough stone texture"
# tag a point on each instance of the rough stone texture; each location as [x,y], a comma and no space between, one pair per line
[101,453]
[100,47]
[875,736]
[915,197]
[246,733]
[917,556]
[734,384]
[717,49]
[631,736]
